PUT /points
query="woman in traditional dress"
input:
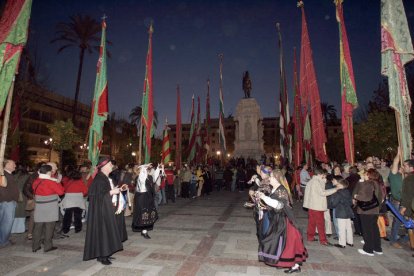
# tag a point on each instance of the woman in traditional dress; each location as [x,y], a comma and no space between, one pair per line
[145,212]
[280,242]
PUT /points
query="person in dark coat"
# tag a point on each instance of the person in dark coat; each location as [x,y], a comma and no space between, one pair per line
[341,201]
[102,234]
[365,192]
[353,180]
[119,201]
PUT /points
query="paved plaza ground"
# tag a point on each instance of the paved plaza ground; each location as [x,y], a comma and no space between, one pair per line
[212,235]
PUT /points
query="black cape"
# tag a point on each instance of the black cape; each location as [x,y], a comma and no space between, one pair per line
[102,234]
[120,221]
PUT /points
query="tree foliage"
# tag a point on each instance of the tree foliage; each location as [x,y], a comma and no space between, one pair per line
[81,32]
[64,135]
[376,136]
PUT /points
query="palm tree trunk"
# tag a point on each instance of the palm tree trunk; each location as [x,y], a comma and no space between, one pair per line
[75,104]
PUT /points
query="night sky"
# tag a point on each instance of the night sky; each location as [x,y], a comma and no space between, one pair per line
[188,36]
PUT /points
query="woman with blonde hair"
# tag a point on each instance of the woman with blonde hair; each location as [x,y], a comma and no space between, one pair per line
[280,242]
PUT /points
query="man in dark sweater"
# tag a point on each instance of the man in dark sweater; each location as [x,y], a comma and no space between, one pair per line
[9,196]
[407,195]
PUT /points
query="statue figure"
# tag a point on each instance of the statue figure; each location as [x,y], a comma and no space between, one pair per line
[247,84]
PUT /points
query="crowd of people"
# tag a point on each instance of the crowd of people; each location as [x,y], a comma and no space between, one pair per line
[341,200]
[344,201]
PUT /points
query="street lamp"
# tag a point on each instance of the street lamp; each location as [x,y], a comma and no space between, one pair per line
[49,142]
[133,153]
[83,148]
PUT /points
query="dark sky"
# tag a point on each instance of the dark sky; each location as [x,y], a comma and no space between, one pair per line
[187,37]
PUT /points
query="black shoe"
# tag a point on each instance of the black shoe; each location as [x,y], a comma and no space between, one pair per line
[351,245]
[145,235]
[35,250]
[51,249]
[340,246]
[293,270]
[329,235]
[104,261]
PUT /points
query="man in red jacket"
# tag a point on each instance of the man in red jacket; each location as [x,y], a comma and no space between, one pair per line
[169,182]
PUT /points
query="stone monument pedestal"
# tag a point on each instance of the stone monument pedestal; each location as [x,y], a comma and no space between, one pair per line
[249,129]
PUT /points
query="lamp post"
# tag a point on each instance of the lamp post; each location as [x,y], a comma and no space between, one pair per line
[219,156]
[49,142]
[84,147]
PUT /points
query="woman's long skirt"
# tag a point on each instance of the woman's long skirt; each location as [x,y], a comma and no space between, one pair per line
[145,213]
[280,243]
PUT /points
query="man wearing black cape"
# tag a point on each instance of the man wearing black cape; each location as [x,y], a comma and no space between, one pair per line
[102,234]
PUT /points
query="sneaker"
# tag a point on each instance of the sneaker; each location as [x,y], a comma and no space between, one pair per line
[396,245]
[378,252]
[361,251]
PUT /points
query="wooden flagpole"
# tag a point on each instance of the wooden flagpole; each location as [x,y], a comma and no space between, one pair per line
[140,141]
[351,142]
[397,121]
[6,120]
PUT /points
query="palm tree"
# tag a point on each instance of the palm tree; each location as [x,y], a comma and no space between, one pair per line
[135,117]
[328,111]
[81,31]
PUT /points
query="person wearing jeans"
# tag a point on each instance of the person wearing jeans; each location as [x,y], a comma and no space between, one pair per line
[9,195]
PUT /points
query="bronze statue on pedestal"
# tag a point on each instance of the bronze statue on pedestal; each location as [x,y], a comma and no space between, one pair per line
[247,84]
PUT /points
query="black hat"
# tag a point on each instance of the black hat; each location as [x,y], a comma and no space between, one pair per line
[103,160]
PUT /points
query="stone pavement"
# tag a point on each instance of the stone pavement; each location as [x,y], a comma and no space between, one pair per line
[204,236]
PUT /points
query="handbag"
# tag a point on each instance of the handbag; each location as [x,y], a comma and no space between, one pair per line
[30,204]
[368,205]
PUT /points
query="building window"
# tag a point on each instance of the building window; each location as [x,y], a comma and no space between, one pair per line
[34,114]
[47,117]
[34,128]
